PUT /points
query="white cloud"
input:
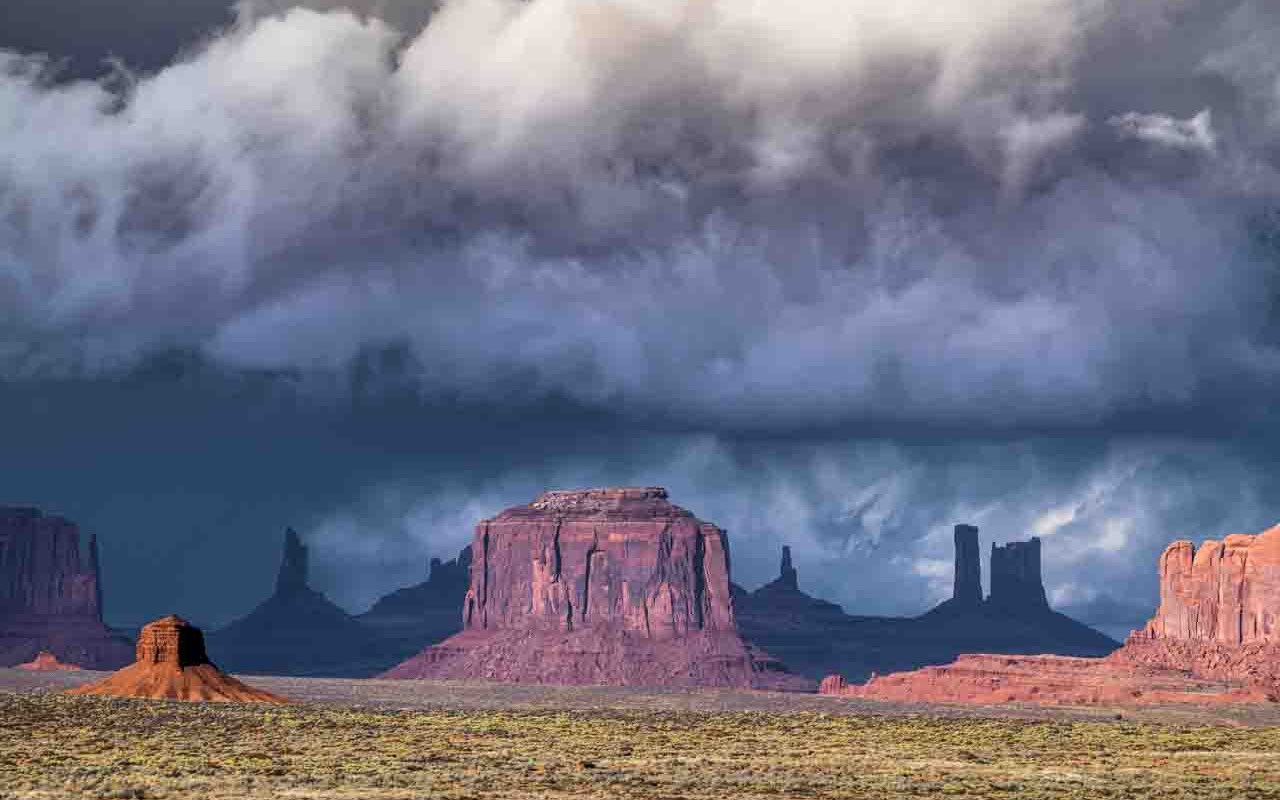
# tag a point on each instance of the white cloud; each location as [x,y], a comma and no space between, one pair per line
[1195,133]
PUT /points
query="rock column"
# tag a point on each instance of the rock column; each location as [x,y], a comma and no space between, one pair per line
[968,581]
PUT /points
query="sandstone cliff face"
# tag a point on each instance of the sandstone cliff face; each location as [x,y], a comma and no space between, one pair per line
[624,558]
[1218,612]
[171,664]
[51,593]
[1226,592]
[612,586]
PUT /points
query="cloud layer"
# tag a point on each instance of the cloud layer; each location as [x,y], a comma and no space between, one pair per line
[731,214]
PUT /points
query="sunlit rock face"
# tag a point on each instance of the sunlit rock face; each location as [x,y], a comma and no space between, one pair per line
[171,664]
[1226,592]
[1219,605]
[622,558]
[617,586]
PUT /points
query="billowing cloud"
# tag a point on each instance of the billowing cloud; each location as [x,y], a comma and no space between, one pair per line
[725,213]
[1195,133]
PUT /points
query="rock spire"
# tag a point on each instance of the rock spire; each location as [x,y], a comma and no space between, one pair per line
[967,589]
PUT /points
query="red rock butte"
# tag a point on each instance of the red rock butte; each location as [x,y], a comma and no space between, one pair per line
[612,586]
[1214,638]
[171,664]
[51,593]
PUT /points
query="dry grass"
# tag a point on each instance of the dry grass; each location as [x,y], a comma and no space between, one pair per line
[59,746]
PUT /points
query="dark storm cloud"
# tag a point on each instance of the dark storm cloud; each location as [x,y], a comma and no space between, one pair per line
[839,274]
[735,215]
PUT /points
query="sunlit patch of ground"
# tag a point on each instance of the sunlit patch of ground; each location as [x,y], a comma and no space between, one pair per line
[605,744]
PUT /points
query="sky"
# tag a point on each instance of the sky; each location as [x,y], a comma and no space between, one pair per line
[838,273]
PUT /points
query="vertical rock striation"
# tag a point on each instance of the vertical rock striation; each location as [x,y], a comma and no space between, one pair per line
[51,594]
[1219,611]
[615,586]
[1227,592]
[622,558]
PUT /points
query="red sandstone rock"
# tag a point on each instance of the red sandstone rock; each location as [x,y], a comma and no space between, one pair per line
[833,684]
[48,662]
[1050,680]
[171,664]
[51,595]
[614,586]
[1226,592]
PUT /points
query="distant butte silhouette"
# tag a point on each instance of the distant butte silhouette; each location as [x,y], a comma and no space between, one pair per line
[299,631]
[171,664]
[817,638]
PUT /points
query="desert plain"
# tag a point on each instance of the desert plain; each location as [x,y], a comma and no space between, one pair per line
[435,739]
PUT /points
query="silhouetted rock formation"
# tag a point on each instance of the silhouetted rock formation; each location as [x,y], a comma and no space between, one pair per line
[412,618]
[1015,576]
[51,596]
[788,577]
[299,631]
[615,586]
[816,638]
[171,664]
[968,581]
[292,577]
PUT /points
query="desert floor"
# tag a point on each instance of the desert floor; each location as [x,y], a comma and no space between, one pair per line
[385,739]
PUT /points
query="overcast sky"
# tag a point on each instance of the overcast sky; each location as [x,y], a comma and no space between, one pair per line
[840,274]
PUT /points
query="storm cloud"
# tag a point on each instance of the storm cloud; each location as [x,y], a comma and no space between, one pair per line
[839,273]
[720,212]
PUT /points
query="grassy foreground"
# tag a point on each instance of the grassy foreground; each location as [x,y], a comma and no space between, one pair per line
[58,746]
